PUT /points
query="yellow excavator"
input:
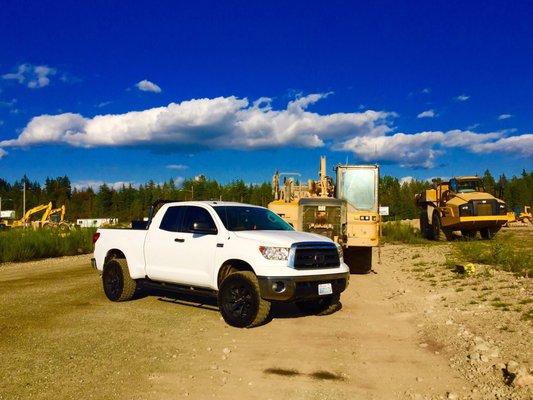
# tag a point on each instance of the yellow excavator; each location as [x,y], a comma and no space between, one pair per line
[55,219]
[26,222]
[52,218]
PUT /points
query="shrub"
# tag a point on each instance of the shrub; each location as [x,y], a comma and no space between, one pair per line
[27,244]
[502,252]
[398,232]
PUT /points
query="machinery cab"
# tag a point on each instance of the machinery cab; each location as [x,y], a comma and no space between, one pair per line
[466,184]
[358,186]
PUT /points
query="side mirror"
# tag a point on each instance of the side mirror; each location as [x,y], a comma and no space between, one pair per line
[203,228]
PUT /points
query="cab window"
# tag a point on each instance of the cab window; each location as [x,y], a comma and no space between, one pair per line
[172,219]
[197,214]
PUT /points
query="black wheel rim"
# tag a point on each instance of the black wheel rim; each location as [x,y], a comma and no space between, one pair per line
[113,282]
[238,302]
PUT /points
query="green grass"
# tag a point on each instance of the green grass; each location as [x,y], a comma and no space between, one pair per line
[502,252]
[26,244]
[396,232]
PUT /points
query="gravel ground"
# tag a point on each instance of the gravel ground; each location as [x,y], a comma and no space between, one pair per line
[413,329]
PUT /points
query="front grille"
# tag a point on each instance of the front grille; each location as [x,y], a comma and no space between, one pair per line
[321,219]
[314,256]
[487,207]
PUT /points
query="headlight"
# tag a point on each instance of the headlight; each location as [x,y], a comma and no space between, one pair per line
[464,210]
[339,250]
[274,253]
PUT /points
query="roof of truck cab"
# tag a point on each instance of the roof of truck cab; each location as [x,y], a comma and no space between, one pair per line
[212,203]
[467,178]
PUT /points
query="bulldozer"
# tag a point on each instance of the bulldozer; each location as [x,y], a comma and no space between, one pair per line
[345,210]
[520,217]
[460,204]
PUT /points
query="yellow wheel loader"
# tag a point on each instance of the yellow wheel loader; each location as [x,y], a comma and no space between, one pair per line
[461,204]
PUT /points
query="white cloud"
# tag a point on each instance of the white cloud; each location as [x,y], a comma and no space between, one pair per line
[33,76]
[462,97]
[504,116]
[236,123]
[519,145]
[178,181]
[406,179]
[178,167]
[427,114]
[2,152]
[147,86]
[95,184]
[426,90]
[421,149]
[8,103]
[103,104]
[222,122]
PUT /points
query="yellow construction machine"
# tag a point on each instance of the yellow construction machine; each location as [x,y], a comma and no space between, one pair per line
[26,220]
[346,211]
[461,204]
[520,217]
[56,219]
[51,218]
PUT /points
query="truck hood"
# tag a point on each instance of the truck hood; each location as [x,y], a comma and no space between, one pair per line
[280,238]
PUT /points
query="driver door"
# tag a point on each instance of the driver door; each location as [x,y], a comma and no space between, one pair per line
[200,247]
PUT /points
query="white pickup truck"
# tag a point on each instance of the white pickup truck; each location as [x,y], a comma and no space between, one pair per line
[245,255]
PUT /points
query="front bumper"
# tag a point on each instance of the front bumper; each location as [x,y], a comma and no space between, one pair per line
[300,287]
[475,222]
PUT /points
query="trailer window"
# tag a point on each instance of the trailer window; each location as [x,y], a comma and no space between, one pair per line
[358,188]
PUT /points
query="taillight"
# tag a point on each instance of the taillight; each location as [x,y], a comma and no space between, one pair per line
[96,235]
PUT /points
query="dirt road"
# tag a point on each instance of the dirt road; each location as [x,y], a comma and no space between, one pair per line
[394,338]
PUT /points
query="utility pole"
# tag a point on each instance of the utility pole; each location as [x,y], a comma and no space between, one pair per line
[24,197]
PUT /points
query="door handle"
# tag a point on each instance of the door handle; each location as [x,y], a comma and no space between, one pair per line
[179,240]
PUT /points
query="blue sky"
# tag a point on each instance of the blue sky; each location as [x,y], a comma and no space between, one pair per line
[237,89]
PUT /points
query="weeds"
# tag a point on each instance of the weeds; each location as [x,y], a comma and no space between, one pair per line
[528,316]
[396,232]
[501,252]
[25,244]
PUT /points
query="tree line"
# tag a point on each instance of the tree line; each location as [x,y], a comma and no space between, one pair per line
[129,202]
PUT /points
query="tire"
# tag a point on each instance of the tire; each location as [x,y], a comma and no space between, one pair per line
[359,259]
[469,234]
[425,227]
[64,227]
[437,232]
[240,302]
[488,233]
[117,282]
[321,306]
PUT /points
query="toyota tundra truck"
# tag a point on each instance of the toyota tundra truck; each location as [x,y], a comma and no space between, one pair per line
[245,255]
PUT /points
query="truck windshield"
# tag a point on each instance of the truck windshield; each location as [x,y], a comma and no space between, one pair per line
[358,187]
[237,218]
[469,186]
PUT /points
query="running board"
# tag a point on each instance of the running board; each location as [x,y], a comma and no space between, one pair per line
[175,288]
